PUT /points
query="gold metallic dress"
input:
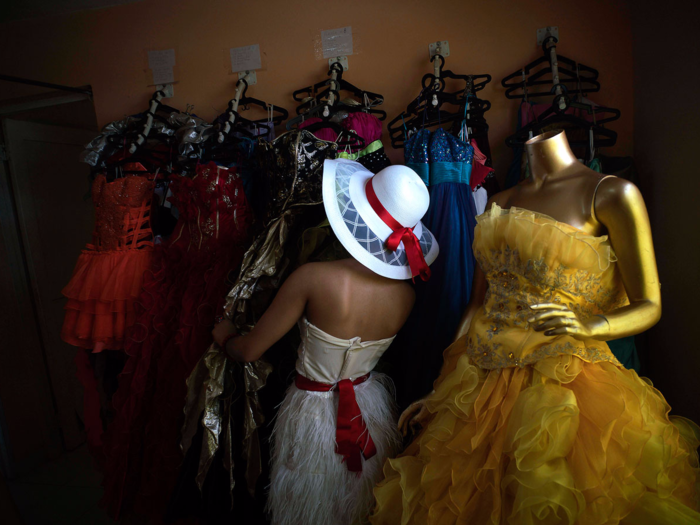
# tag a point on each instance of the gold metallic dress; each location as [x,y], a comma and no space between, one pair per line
[533,429]
[223,397]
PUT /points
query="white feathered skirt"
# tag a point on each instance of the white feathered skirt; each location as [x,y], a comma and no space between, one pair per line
[310,485]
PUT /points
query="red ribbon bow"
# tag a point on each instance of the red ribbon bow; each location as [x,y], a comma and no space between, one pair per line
[351,435]
[411,244]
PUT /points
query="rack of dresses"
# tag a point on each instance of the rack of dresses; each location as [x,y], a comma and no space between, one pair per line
[173,224]
[223,435]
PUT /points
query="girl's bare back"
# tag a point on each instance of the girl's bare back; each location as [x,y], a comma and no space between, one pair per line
[346,299]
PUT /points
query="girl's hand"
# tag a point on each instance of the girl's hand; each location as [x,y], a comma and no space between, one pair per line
[556,319]
[222,330]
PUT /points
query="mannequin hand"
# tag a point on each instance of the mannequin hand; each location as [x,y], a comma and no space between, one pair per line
[414,417]
[556,319]
[222,330]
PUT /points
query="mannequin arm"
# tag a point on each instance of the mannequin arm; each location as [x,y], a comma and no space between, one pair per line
[620,208]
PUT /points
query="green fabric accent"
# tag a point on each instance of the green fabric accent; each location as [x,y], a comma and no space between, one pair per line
[596,166]
[422,169]
[319,244]
[450,172]
[374,146]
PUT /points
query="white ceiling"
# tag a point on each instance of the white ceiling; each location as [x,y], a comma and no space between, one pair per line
[23,9]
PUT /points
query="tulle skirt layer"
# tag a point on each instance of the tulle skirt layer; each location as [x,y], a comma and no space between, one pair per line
[101,296]
[561,441]
[309,483]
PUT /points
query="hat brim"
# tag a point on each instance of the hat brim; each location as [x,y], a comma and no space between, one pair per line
[359,228]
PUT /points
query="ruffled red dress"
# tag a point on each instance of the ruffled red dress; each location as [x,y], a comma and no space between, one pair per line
[107,278]
[182,293]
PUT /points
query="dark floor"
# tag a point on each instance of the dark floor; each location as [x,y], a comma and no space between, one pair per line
[63,492]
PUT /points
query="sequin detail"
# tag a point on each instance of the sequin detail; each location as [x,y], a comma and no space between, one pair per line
[528,262]
[488,356]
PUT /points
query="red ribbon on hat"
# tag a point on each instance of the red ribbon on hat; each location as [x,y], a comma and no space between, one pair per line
[352,438]
[411,244]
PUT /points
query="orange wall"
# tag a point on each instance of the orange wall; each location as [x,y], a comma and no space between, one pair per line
[105,48]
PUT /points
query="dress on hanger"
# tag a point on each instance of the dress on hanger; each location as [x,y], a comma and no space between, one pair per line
[445,162]
[481,198]
[182,293]
[106,281]
[311,482]
[226,465]
[369,127]
[107,278]
[528,428]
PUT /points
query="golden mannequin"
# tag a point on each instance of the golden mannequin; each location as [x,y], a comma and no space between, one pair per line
[568,191]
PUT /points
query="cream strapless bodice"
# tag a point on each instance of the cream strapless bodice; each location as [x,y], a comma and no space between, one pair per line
[328,359]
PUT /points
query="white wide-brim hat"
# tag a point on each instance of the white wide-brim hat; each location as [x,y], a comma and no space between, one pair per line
[360,229]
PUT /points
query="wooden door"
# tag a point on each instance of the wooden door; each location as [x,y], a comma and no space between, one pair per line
[52,220]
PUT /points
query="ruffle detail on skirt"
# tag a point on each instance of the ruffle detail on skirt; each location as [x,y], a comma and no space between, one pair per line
[101,296]
[562,441]
[309,481]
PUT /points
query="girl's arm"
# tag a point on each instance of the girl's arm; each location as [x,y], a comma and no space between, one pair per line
[286,309]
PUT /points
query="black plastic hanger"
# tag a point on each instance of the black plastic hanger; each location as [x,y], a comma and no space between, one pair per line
[431,117]
[277,119]
[474,82]
[572,75]
[316,99]
[602,137]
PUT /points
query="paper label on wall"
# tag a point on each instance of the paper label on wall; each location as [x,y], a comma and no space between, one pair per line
[161,58]
[245,58]
[163,75]
[337,42]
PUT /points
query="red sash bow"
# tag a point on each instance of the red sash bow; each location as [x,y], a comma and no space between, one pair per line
[351,435]
[411,244]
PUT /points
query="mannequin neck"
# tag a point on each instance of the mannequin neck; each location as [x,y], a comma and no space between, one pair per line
[549,154]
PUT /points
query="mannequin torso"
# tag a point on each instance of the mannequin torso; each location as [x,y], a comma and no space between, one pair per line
[561,186]
[567,191]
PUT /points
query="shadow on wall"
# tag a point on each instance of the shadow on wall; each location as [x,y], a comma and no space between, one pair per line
[666,138]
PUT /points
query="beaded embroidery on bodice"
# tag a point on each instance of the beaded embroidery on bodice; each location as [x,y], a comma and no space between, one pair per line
[530,258]
[213,210]
[122,212]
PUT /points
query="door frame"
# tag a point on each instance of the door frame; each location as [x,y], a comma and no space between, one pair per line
[16,229]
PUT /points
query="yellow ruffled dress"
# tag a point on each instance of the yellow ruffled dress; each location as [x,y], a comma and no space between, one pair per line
[533,429]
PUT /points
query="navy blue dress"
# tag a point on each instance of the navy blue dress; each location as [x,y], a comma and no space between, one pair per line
[444,163]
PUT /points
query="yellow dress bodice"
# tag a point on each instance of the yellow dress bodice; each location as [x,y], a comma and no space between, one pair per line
[531,258]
